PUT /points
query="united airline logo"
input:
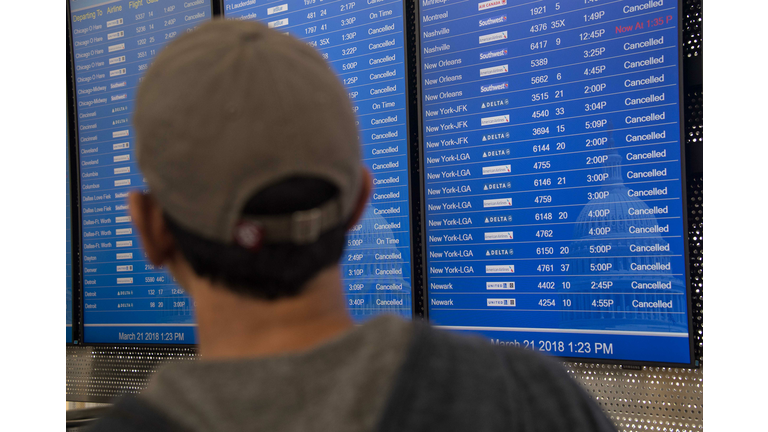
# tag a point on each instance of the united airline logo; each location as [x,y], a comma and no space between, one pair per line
[501,302]
[495,70]
[493,20]
[501,52]
[500,285]
[491,4]
[493,37]
[494,87]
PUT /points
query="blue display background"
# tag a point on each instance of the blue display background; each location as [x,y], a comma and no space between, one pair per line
[69,253]
[553,186]
[125,299]
[363,43]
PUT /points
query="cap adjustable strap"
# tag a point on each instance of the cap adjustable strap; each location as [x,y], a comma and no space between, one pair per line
[301,227]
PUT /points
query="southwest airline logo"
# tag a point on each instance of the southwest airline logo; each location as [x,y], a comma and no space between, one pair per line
[493,20]
[494,87]
[491,4]
[493,54]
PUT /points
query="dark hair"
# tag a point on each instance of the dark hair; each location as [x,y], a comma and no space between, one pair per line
[276,270]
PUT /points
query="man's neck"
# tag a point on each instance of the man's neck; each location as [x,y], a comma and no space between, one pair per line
[232,326]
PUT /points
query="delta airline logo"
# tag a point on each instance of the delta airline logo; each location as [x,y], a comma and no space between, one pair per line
[501,52]
[500,285]
[493,37]
[494,87]
[492,20]
[501,302]
[489,121]
[491,4]
[498,202]
[504,235]
[498,169]
[495,136]
[495,70]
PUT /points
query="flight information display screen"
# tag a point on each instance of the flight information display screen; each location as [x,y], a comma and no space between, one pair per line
[68,241]
[125,298]
[553,187]
[363,42]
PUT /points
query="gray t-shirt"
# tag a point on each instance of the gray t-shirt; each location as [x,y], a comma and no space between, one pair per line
[387,375]
[339,386]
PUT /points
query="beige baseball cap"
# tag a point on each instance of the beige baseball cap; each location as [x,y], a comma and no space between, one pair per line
[233,107]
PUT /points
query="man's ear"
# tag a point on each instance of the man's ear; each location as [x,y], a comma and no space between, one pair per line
[148,218]
[362,199]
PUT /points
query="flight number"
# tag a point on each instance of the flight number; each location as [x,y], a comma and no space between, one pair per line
[539,79]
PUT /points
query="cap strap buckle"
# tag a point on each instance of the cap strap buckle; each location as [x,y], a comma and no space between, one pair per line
[306,225]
